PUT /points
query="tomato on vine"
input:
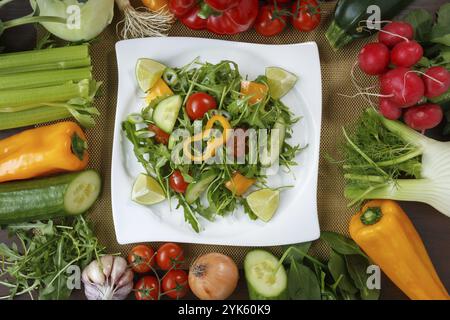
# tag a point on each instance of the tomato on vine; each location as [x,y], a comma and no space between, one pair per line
[270,21]
[141,258]
[175,284]
[169,255]
[147,288]
[305,15]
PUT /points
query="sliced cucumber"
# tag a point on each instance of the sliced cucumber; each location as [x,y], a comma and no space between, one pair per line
[38,199]
[166,113]
[194,190]
[262,280]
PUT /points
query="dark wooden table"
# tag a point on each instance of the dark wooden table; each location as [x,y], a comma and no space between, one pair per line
[433,226]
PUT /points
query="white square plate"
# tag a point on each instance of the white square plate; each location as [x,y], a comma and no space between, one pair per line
[295,220]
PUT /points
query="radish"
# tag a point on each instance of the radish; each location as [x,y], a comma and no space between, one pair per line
[389,109]
[373,58]
[395,32]
[406,54]
[437,81]
[424,117]
[402,86]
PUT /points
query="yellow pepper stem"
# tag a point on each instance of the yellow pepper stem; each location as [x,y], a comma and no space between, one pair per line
[371,216]
[79,146]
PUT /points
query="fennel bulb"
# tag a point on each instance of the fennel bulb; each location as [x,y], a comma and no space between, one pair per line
[94,16]
[385,159]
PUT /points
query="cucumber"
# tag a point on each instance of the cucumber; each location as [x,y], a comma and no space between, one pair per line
[47,198]
[194,190]
[166,113]
[263,284]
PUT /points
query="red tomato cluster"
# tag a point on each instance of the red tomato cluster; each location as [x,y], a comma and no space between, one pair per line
[402,88]
[169,257]
[274,16]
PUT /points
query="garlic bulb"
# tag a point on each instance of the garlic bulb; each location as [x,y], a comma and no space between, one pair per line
[107,279]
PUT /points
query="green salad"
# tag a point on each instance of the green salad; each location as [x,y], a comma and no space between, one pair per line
[208,138]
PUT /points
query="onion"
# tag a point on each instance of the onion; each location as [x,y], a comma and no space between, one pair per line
[213,276]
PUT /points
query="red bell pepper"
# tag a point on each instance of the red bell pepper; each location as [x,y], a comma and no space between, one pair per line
[218,16]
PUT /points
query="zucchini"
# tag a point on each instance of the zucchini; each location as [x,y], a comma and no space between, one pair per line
[194,190]
[348,17]
[166,113]
[262,281]
[47,198]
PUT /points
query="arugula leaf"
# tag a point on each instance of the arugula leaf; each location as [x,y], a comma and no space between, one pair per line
[302,283]
[441,30]
[422,22]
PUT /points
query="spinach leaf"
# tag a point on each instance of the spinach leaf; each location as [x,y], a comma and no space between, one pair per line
[357,269]
[300,252]
[422,22]
[338,269]
[340,243]
[302,283]
[441,30]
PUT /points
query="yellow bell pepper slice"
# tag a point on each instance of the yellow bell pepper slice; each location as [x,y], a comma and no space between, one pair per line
[257,91]
[239,184]
[160,89]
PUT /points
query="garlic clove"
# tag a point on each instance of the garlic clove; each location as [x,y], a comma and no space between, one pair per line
[119,267]
[126,278]
[123,292]
[95,273]
[106,263]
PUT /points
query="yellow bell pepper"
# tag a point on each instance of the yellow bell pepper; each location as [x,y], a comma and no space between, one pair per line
[257,91]
[239,184]
[60,147]
[385,233]
[212,145]
[160,89]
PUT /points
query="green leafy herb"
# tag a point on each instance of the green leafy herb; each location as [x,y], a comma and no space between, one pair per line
[441,30]
[302,283]
[340,243]
[357,268]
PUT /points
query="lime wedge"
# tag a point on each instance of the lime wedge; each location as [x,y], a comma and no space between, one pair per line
[264,203]
[148,71]
[280,81]
[147,191]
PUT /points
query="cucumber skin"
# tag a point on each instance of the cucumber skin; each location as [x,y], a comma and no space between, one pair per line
[202,184]
[37,199]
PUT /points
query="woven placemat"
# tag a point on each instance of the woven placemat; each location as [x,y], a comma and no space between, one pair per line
[337,111]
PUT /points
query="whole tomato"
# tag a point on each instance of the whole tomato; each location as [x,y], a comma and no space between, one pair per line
[169,255]
[305,15]
[177,183]
[175,284]
[198,104]
[141,259]
[269,22]
[147,288]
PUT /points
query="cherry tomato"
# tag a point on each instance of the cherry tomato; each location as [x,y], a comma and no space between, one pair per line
[160,136]
[177,183]
[147,288]
[141,259]
[306,15]
[175,284]
[269,23]
[198,104]
[169,255]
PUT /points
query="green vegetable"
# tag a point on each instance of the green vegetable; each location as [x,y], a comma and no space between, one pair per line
[385,159]
[10,120]
[166,113]
[194,190]
[350,18]
[95,16]
[264,280]
[46,252]
[344,276]
[46,198]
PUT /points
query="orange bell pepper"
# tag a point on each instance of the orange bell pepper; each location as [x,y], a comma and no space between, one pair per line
[385,233]
[257,91]
[43,151]
[159,90]
[239,184]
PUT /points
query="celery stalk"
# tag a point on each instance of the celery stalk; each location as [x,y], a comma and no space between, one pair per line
[60,65]
[46,56]
[23,99]
[43,78]
[10,120]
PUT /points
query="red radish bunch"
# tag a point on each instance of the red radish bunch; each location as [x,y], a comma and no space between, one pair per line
[401,87]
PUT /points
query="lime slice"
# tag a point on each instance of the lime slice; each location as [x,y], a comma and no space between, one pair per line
[280,81]
[147,190]
[148,71]
[264,203]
